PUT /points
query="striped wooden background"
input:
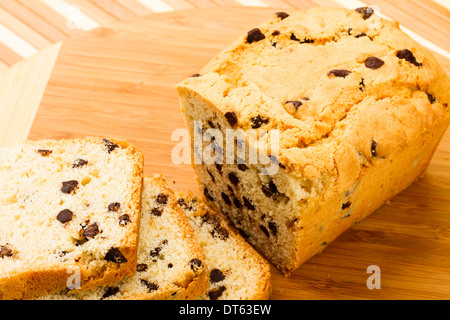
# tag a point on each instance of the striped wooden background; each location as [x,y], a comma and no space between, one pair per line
[48,96]
[28,26]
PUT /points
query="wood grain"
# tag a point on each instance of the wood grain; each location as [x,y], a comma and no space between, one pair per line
[119,81]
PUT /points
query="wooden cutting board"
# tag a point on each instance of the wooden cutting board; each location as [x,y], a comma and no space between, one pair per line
[118,81]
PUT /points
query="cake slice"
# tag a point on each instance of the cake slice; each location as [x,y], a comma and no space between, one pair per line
[237,271]
[69,215]
[171,264]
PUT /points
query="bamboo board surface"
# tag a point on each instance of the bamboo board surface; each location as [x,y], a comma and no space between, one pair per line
[118,81]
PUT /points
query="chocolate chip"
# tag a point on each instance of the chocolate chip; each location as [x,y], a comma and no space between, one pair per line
[215,294]
[282,15]
[226,198]
[242,166]
[233,178]
[431,98]
[339,73]
[362,34]
[141,267]
[211,175]
[345,205]
[248,204]
[211,124]
[293,37]
[255,35]
[114,207]
[266,190]
[218,167]
[170,265]
[237,203]
[157,212]
[150,285]
[264,229]
[184,205]
[124,219]
[69,186]
[44,152]
[408,56]
[155,253]
[273,187]
[307,40]
[216,276]
[373,62]
[207,195]
[91,230]
[220,232]
[231,118]
[373,148]
[79,163]
[366,12]
[64,216]
[273,228]
[269,190]
[161,198]
[5,252]
[296,104]
[110,146]
[195,75]
[276,33]
[110,291]
[114,255]
[211,219]
[258,121]
[195,264]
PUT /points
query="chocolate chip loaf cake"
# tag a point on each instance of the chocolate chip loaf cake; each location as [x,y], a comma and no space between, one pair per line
[69,215]
[170,263]
[344,111]
[237,271]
